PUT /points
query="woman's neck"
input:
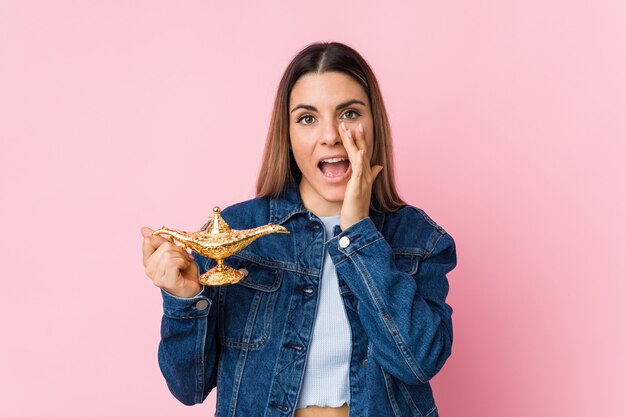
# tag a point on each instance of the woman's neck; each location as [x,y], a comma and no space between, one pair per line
[317,205]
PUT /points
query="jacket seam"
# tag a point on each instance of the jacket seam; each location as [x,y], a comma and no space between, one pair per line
[390,396]
[258,342]
[430,413]
[409,400]
[434,245]
[429,219]
[200,361]
[400,343]
[277,265]
[170,316]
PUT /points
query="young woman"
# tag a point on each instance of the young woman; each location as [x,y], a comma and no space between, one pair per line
[344,316]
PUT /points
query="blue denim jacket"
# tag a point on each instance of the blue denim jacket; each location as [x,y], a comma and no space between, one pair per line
[250,339]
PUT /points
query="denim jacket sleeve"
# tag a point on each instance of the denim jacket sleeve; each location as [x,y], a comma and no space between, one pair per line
[188,350]
[404,316]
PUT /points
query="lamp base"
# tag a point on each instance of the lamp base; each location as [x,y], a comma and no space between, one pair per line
[221,275]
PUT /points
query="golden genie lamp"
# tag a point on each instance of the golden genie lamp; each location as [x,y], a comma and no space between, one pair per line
[218,241]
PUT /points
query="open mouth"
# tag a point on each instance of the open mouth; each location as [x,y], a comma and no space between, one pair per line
[334,167]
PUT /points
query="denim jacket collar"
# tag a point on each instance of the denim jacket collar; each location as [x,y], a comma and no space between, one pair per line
[289,203]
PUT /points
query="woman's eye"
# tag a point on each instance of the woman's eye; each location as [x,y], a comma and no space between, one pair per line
[351,114]
[306,119]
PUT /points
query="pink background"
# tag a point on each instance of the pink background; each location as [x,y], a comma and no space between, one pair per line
[509,119]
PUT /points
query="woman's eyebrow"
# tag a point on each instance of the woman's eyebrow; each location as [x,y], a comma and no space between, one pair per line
[339,106]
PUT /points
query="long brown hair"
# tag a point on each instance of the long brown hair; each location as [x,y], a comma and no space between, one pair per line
[279,168]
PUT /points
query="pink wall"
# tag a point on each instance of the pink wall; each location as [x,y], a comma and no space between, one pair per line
[509,121]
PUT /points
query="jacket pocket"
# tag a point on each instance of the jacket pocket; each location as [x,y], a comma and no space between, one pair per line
[246,309]
[410,400]
[407,259]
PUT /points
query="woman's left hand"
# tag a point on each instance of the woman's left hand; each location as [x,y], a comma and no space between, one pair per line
[356,201]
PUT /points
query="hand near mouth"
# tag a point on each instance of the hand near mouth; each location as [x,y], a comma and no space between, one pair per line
[356,201]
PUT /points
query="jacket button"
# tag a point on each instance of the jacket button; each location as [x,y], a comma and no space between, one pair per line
[364,363]
[202,304]
[281,407]
[294,346]
[344,242]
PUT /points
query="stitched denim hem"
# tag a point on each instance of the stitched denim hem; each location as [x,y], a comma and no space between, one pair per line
[180,307]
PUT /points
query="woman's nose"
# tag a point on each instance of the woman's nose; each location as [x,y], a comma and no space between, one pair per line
[330,134]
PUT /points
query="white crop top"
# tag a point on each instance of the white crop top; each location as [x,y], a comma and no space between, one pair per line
[326,380]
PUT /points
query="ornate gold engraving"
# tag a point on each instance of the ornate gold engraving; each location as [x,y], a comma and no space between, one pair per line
[218,241]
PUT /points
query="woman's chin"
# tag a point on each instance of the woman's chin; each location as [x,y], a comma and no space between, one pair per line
[322,194]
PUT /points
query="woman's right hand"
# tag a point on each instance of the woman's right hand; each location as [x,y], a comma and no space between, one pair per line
[169,266]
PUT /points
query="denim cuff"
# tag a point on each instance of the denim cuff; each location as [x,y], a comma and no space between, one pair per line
[182,307]
[353,239]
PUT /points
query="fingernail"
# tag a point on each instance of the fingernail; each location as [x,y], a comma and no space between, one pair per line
[343,126]
[360,128]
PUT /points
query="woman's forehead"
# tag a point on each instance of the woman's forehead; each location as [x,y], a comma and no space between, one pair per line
[325,89]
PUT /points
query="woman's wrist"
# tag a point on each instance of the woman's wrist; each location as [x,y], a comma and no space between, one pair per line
[185,292]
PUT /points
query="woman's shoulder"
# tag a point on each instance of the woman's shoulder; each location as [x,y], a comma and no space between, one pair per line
[411,226]
[417,216]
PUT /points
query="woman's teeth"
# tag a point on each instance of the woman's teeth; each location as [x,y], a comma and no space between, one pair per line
[334,167]
[333,160]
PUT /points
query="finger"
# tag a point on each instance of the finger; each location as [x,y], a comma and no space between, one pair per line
[352,134]
[357,160]
[361,169]
[157,240]
[171,270]
[170,264]
[173,249]
[154,262]
[356,179]
[357,166]
[150,243]
[346,136]
[348,143]
[376,169]
[359,135]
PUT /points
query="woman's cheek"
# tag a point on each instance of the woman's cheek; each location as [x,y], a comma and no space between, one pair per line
[307,136]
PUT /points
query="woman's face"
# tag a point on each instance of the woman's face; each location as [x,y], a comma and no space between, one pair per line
[318,104]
